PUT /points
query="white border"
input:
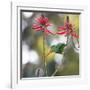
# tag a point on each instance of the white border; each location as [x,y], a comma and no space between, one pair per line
[57,81]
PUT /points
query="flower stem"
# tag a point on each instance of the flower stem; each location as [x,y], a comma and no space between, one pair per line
[67,39]
[72,41]
[45,63]
[78,43]
[67,19]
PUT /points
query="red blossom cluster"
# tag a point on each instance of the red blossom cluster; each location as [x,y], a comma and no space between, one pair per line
[67,29]
[42,23]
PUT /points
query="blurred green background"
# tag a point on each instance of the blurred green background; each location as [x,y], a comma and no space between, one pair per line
[32,47]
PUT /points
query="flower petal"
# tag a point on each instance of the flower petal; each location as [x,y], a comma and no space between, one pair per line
[37,27]
[62,28]
[61,33]
[45,19]
[42,20]
[49,32]
[75,35]
[48,24]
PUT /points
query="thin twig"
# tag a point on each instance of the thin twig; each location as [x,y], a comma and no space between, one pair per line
[54,72]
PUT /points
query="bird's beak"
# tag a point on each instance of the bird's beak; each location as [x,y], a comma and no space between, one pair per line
[49,52]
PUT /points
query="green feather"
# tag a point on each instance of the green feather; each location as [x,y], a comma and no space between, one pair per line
[58,48]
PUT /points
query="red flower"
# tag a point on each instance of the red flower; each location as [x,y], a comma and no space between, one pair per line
[67,29]
[42,24]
